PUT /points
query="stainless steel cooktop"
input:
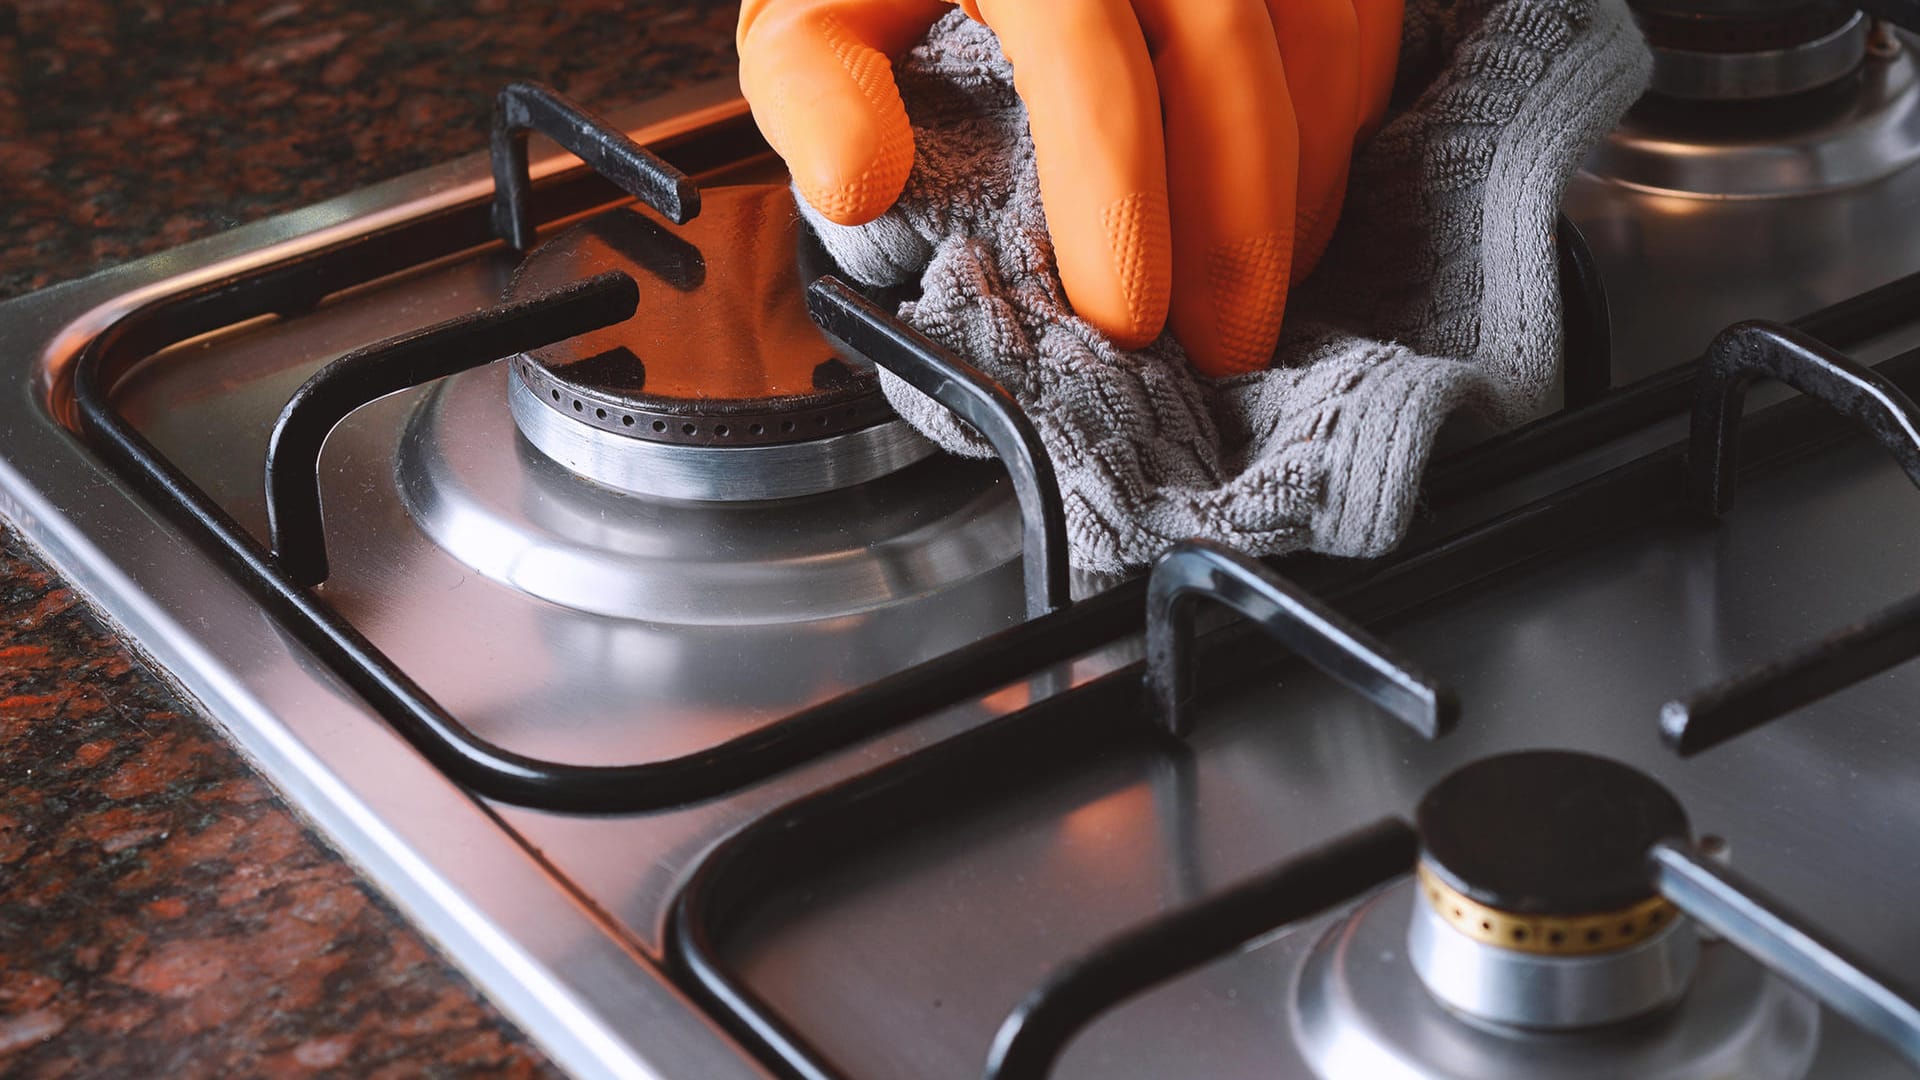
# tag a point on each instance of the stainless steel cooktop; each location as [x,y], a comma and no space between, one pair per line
[570,626]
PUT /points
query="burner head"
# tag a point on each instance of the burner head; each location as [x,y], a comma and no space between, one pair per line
[1535,906]
[720,361]
[1547,832]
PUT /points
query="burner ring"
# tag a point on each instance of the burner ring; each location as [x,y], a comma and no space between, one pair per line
[764,422]
[1546,935]
[721,386]
[706,472]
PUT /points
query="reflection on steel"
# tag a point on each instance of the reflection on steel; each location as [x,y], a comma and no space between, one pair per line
[1179,941]
[1759,925]
[1197,570]
[867,329]
[1740,356]
[525,106]
[1587,334]
[1750,351]
[367,374]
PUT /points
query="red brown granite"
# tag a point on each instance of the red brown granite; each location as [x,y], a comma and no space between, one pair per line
[162,913]
[127,127]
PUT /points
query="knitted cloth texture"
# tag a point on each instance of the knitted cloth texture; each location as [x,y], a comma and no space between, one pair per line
[1439,291]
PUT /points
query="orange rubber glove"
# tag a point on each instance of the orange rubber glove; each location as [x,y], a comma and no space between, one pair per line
[1192,153]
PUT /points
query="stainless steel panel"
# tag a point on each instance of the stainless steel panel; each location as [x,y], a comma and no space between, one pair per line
[941,934]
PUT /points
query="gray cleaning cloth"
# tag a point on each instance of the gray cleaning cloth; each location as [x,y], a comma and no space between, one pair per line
[1439,290]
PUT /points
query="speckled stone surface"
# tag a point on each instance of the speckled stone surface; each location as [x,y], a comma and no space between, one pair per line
[162,913]
[129,126]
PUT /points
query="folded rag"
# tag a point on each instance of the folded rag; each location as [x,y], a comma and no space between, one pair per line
[1439,290]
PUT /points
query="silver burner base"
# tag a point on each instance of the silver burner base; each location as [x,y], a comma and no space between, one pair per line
[714,473]
[1506,986]
[1361,1011]
[1874,136]
[504,509]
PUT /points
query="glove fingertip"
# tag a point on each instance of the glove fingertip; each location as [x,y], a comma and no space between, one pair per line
[856,196]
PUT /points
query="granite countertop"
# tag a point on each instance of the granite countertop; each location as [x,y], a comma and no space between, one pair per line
[162,912]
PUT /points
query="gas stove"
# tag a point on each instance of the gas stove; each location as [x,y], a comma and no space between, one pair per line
[537,524]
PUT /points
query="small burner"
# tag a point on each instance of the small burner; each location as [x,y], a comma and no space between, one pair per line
[1539,909]
[1361,1010]
[720,387]
[1529,938]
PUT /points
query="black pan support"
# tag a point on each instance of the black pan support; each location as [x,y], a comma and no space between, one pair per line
[1032,1037]
[866,328]
[1199,570]
[1037,742]
[636,170]
[1063,729]
[1742,914]
[1587,337]
[485,767]
[296,284]
[1747,352]
[365,375]
[1740,356]
[281,586]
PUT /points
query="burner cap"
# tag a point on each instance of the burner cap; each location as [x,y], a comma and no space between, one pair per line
[1547,832]
[720,386]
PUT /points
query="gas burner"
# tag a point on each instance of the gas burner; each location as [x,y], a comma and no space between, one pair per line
[1848,133]
[1532,942]
[509,512]
[720,388]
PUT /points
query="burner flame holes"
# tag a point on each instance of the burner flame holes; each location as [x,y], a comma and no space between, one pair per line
[725,430]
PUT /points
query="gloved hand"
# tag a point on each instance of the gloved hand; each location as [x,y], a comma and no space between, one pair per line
[1193,153]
